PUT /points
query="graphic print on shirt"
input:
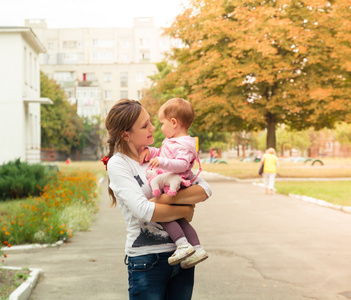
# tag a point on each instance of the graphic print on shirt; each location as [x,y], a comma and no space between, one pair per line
[151,234]
[138,179]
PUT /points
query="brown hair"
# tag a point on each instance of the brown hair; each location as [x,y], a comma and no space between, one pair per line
[179,109]
[120,119]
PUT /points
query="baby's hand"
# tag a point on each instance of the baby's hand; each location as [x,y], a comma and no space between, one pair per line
[154,163]
[144,156]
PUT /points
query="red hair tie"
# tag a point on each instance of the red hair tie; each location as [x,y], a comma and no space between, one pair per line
[105,160]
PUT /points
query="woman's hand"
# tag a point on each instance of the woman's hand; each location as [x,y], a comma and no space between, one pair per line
[144,156]
[190,216]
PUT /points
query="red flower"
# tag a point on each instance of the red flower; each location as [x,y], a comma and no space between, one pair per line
[105,160]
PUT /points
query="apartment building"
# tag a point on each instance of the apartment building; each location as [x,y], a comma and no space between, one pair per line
[98,66]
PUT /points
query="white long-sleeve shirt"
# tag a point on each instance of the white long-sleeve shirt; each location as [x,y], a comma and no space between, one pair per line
[132,191]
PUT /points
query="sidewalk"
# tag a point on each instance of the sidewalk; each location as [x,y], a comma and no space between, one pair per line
[261,247]
[89,266]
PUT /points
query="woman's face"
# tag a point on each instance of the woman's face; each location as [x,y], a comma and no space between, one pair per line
[141,132]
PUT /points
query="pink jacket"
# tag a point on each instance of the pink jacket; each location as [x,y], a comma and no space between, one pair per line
[176,155]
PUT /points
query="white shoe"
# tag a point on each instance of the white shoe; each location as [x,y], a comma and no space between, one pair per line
[181,253]
[199,256]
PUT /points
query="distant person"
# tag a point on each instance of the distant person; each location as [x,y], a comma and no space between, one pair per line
[68,161]
[270,161]
[177,155]
[215,154]
[211,155]
[148,245]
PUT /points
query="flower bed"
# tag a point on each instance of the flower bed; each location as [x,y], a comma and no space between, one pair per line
[66,204]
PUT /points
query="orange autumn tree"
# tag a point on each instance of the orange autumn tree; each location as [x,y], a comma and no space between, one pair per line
[249,65]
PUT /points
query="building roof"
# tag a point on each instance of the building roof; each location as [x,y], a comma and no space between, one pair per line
[27,33]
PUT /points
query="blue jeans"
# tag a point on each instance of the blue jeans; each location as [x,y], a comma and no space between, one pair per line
[150,277]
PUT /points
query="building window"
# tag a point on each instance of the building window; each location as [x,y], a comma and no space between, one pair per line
[144,56]
[108,77]
[124,94]
[25,65]
[35,74]
[52,59]
[140,94]
[64,76]
[107,94]
[104,43]
[70,57]
[144,43]
[103,55]
[90,76]
[69,44]
[124,79]
[51,45]
[125,57]
[140,76]
[126,44]
[30,69]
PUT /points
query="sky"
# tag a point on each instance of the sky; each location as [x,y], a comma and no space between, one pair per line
[89,13]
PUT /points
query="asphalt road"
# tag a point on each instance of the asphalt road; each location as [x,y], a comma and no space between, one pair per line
[260,247]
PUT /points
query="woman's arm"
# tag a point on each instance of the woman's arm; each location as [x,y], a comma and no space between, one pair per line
[191,195]
[168,213]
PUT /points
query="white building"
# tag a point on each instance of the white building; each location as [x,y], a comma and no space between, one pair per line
[116,60]
[20,94]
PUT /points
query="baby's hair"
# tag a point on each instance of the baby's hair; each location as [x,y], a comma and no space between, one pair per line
[179,109]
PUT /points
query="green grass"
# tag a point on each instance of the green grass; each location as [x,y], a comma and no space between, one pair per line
[10,280]
[336,192]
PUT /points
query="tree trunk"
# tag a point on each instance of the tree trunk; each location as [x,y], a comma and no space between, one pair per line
[271,121]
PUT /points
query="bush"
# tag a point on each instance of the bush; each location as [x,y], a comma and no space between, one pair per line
[20,179]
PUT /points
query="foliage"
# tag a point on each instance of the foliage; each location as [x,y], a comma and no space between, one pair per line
[20,179]
[288,139]
[258,64]
[153,98]
[343,133]
[92,135]
[60,124]
[66,204]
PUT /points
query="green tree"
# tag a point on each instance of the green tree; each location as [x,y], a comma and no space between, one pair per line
[249,65]
[92,135]
[343,134]
[60,124]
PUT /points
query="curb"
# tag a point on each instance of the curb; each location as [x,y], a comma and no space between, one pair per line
[31,247]
[346,209]
[25,289]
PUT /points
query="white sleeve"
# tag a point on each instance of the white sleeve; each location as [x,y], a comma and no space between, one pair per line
[127,189]
[203,183]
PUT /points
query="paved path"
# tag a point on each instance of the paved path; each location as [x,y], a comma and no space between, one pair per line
[260,247]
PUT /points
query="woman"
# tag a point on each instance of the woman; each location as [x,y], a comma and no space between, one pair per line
[269,170]
[148,245]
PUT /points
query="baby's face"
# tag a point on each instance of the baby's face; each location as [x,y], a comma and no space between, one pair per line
[167,126]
